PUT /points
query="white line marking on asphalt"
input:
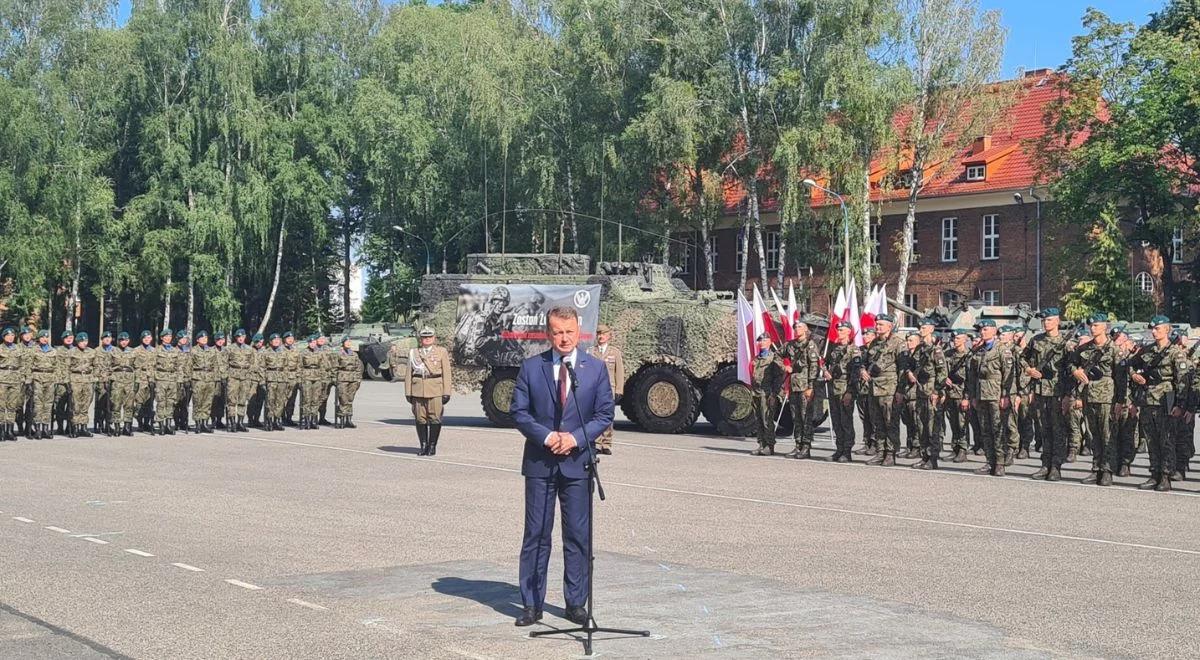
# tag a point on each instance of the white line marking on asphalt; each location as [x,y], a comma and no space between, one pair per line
[140,553]
[752,500]
[20,519]
[60,530]
[305,603]
[96,541]
[244,585]
[379,623]
[188,567]
[468,654]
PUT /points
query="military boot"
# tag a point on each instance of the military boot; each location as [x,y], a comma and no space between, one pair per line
[6,432]
[877,458]
[912,452]
[795,453]
[435,431]
[1008,458]
[1024,453]
[960,455]
[129,428]
[1091,478]
[1071,456]
[83,431]
[1055,475]
[923,465]
[350,422]
[337,421]
[209,426]
[999,471]
[47,432]
[889,459]
[987,468]
[805,451]
[1124,471]
[423,438]
[1040,474]
[1164,484]
[1105,479]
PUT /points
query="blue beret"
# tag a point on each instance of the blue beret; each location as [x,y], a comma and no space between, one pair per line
[26,330]
[1159,319]
[344,339]
[66,333]
[870,329]
[123,336]
[182,334]
[1098,317]
[81,336]
[44,333]
[987,323]
[845,324]
[886,317]
[107,333]
[288,334]
[274,336]
[218,335]
[763,336]
[240,332]
[8,331]
[202,333]
[926,321]
[165,333]
[257,337]
[1051,311]
[147,333]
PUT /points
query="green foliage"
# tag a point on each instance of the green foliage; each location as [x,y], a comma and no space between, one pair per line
[1107,285]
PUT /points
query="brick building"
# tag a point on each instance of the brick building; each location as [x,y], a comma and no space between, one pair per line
[973,239]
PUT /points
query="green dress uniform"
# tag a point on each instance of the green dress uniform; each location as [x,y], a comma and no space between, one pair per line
[1097,360]
[349,377]
[81,376]
[990,379]
[206,373]
[276,362]
[1047,354]
[168,369]
[767,381]
[102,417]
[241,383]
[13,368]
[428,383]
[614,362]
[145,369]
[47,373]
[881,362]
[843,364]
[313,367]
[954,390]
[123,368]
[806,375]
[1166,371]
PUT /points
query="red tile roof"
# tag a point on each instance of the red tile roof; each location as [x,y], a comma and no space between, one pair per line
[1008,155]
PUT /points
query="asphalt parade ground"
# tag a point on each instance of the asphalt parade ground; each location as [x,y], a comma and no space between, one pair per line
[346,544]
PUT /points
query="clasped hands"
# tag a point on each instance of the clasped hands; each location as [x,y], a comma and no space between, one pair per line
[561,443]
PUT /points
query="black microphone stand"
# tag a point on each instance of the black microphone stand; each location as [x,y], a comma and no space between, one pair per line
[589,626]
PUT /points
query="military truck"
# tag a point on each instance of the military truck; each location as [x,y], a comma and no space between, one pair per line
[679,344]
[373,343]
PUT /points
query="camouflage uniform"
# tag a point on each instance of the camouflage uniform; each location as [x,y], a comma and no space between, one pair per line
[954,391]
[615,363]
[25,406]
[349,377]
[124,402]
[47,373]
[1010,416]
[1166,371]
[183,384]
[145,361]
[62,393]
[1047,354]
[806,374]
[291,358]
[314,364]
[276,362]
[1185,426]
[102,418]
[906,409]
[220,411]
[862,396]
[766,383]
[13,367]
[930,371]
[168,369]
[428,382]
[81,368]
[1073,402]
[1097,361]
[205,370]
[990,379]
[258,385]
[1125,418]
[843,365]
[241,382]
[883,370]
[330,373]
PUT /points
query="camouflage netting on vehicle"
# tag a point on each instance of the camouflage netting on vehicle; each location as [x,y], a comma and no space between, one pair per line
[695,335]
[528,264]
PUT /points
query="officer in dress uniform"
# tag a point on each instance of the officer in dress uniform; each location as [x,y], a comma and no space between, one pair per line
[767,381]
[841,370]
[428,383]
[604,351]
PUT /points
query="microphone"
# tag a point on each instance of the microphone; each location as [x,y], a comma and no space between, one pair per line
[571,373]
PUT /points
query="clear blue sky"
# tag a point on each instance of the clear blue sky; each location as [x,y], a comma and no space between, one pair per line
[1039,31]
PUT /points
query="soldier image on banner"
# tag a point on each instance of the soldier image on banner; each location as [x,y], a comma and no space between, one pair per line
[428,383]
[615,363]
[501,325]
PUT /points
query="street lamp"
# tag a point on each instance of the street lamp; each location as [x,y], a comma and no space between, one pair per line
[408,233]
[1038,245]
[845,227]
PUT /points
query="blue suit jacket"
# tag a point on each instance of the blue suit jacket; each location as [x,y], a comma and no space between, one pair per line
[536,410]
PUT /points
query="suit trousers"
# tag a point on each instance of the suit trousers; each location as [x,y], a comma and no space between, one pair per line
[572,496]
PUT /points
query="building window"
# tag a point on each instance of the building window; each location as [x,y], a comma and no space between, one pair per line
[681,257]
[976,172]
[875,245]
[991,237]
[991,297]
[1145,283]
[771,247]
[913,255]
[1177,246]
[910,299]
[949,239]
[741,251]
[713,258]
[951,298]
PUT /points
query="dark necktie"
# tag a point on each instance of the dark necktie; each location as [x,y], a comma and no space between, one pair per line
[562,384]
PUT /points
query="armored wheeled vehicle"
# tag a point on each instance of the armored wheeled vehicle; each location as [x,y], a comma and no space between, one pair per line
[679,345]
[374,343]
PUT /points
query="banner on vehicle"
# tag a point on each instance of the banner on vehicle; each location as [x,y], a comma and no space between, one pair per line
[499,325]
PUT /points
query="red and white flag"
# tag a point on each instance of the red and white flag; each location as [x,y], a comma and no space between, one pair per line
[868,313]
[793,310]
[747,322]
[767,324]
[837,314]
[854,316]
[785,322]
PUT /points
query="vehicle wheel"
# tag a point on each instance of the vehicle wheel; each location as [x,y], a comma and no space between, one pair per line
[497,396]
[371,372]
[661,399]
[727,404]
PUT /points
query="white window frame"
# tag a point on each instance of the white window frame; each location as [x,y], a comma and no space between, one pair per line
[771,247]
[949,240]
[913,255]
[976,172]
[1144,282]
[681,257]
[951,298]
[741,252]
[715,258]
[989,238]
[875,246]
[911,300]
[1177,245]
[990,297]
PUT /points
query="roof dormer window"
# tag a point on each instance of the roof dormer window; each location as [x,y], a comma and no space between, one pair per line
[976,172]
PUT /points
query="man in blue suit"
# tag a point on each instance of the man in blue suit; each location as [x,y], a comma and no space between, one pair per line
[555,464]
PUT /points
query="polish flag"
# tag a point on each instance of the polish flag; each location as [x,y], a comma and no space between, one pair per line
[767,324]
[867,320]
[837,314]
[747,323]
[784,318]
[853,315]
[793,310]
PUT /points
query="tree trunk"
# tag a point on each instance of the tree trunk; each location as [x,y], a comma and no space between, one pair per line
[266,319]
[317,286]
[346,240]
[706,247]
[191,297]
[100,330]
[866,229]
[571,206]
[76,274]
[744,239]
[763,275]
[167,304]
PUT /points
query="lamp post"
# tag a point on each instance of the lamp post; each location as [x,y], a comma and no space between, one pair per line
[408,233]
[845,228]
[1037,282]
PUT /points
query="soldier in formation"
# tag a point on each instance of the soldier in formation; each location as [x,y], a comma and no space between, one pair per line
[841,368]
[766,386]
[880,375]
[12,382]
[614,362]
[347,377]
[804,372]
[428,382]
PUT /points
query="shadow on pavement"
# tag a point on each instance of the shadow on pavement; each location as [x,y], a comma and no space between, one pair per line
[399,450]
[447,420]
[503,597]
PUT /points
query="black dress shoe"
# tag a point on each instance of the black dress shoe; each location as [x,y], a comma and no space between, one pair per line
[577,615]
[528,617]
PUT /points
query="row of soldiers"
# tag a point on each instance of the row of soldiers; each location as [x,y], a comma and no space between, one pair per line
[999,393]
[251,382]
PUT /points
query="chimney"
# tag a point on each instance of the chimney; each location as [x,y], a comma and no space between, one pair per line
[981,145]
[1037,73]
